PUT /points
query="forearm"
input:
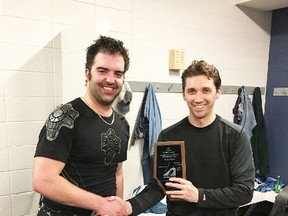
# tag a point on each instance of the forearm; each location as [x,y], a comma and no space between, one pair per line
[119,181]
[48,182]
[150,196]
[120,186]
[229,197]
[60,190]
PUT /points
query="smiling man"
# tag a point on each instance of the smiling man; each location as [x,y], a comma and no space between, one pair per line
[79,155]
[219,164]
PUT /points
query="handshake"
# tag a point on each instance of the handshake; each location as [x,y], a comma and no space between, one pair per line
[114,206]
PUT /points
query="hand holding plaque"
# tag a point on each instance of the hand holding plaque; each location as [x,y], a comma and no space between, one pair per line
[169,161]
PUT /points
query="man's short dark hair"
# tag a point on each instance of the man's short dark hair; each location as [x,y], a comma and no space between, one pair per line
[201,68]
[107,45]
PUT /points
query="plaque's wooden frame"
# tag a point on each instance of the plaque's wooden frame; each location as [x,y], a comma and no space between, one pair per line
[168,143]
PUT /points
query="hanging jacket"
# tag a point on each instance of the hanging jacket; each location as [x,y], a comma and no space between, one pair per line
[153,114]
[244,111]
[237,114]
[259,139]
[148,125]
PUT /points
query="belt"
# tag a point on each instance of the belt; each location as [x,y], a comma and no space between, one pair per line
[52,212]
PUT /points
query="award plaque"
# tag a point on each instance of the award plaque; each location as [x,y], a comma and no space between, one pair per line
[169,161]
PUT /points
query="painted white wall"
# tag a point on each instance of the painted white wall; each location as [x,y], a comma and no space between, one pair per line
[35,74]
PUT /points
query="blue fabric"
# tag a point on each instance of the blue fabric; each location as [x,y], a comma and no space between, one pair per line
[148,126]
[153,114]
[159,208]
[266,183]
[245,112]
[146,163]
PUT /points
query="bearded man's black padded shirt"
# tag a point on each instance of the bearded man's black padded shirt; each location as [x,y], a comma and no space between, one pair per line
[91,149]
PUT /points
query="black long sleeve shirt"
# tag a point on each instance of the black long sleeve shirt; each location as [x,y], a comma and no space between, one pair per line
[219,163]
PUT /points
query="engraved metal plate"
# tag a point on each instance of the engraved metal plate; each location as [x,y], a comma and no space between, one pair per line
[169,161]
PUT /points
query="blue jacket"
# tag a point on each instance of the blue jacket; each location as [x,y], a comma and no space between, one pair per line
[148,126]
[244,111]
[153,114]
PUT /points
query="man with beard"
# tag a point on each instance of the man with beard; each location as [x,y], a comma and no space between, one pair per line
[79,155]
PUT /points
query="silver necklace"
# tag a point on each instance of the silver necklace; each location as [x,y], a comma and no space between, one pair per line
[108,123]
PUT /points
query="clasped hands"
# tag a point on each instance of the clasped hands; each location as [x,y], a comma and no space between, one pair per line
[184,190]
[125,206]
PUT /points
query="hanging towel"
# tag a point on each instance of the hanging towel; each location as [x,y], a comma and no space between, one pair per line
[259,140]
[244,111]
[148,125]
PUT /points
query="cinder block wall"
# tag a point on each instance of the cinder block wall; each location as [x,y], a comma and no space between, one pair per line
[33,79]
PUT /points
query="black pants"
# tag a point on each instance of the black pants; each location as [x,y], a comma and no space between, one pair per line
[46,211]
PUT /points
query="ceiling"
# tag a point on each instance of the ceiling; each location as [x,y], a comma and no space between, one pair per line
[263,5]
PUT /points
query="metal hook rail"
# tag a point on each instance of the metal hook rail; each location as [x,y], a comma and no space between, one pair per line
[138,86]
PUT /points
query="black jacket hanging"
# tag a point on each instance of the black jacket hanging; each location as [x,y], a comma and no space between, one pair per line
[259,139]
